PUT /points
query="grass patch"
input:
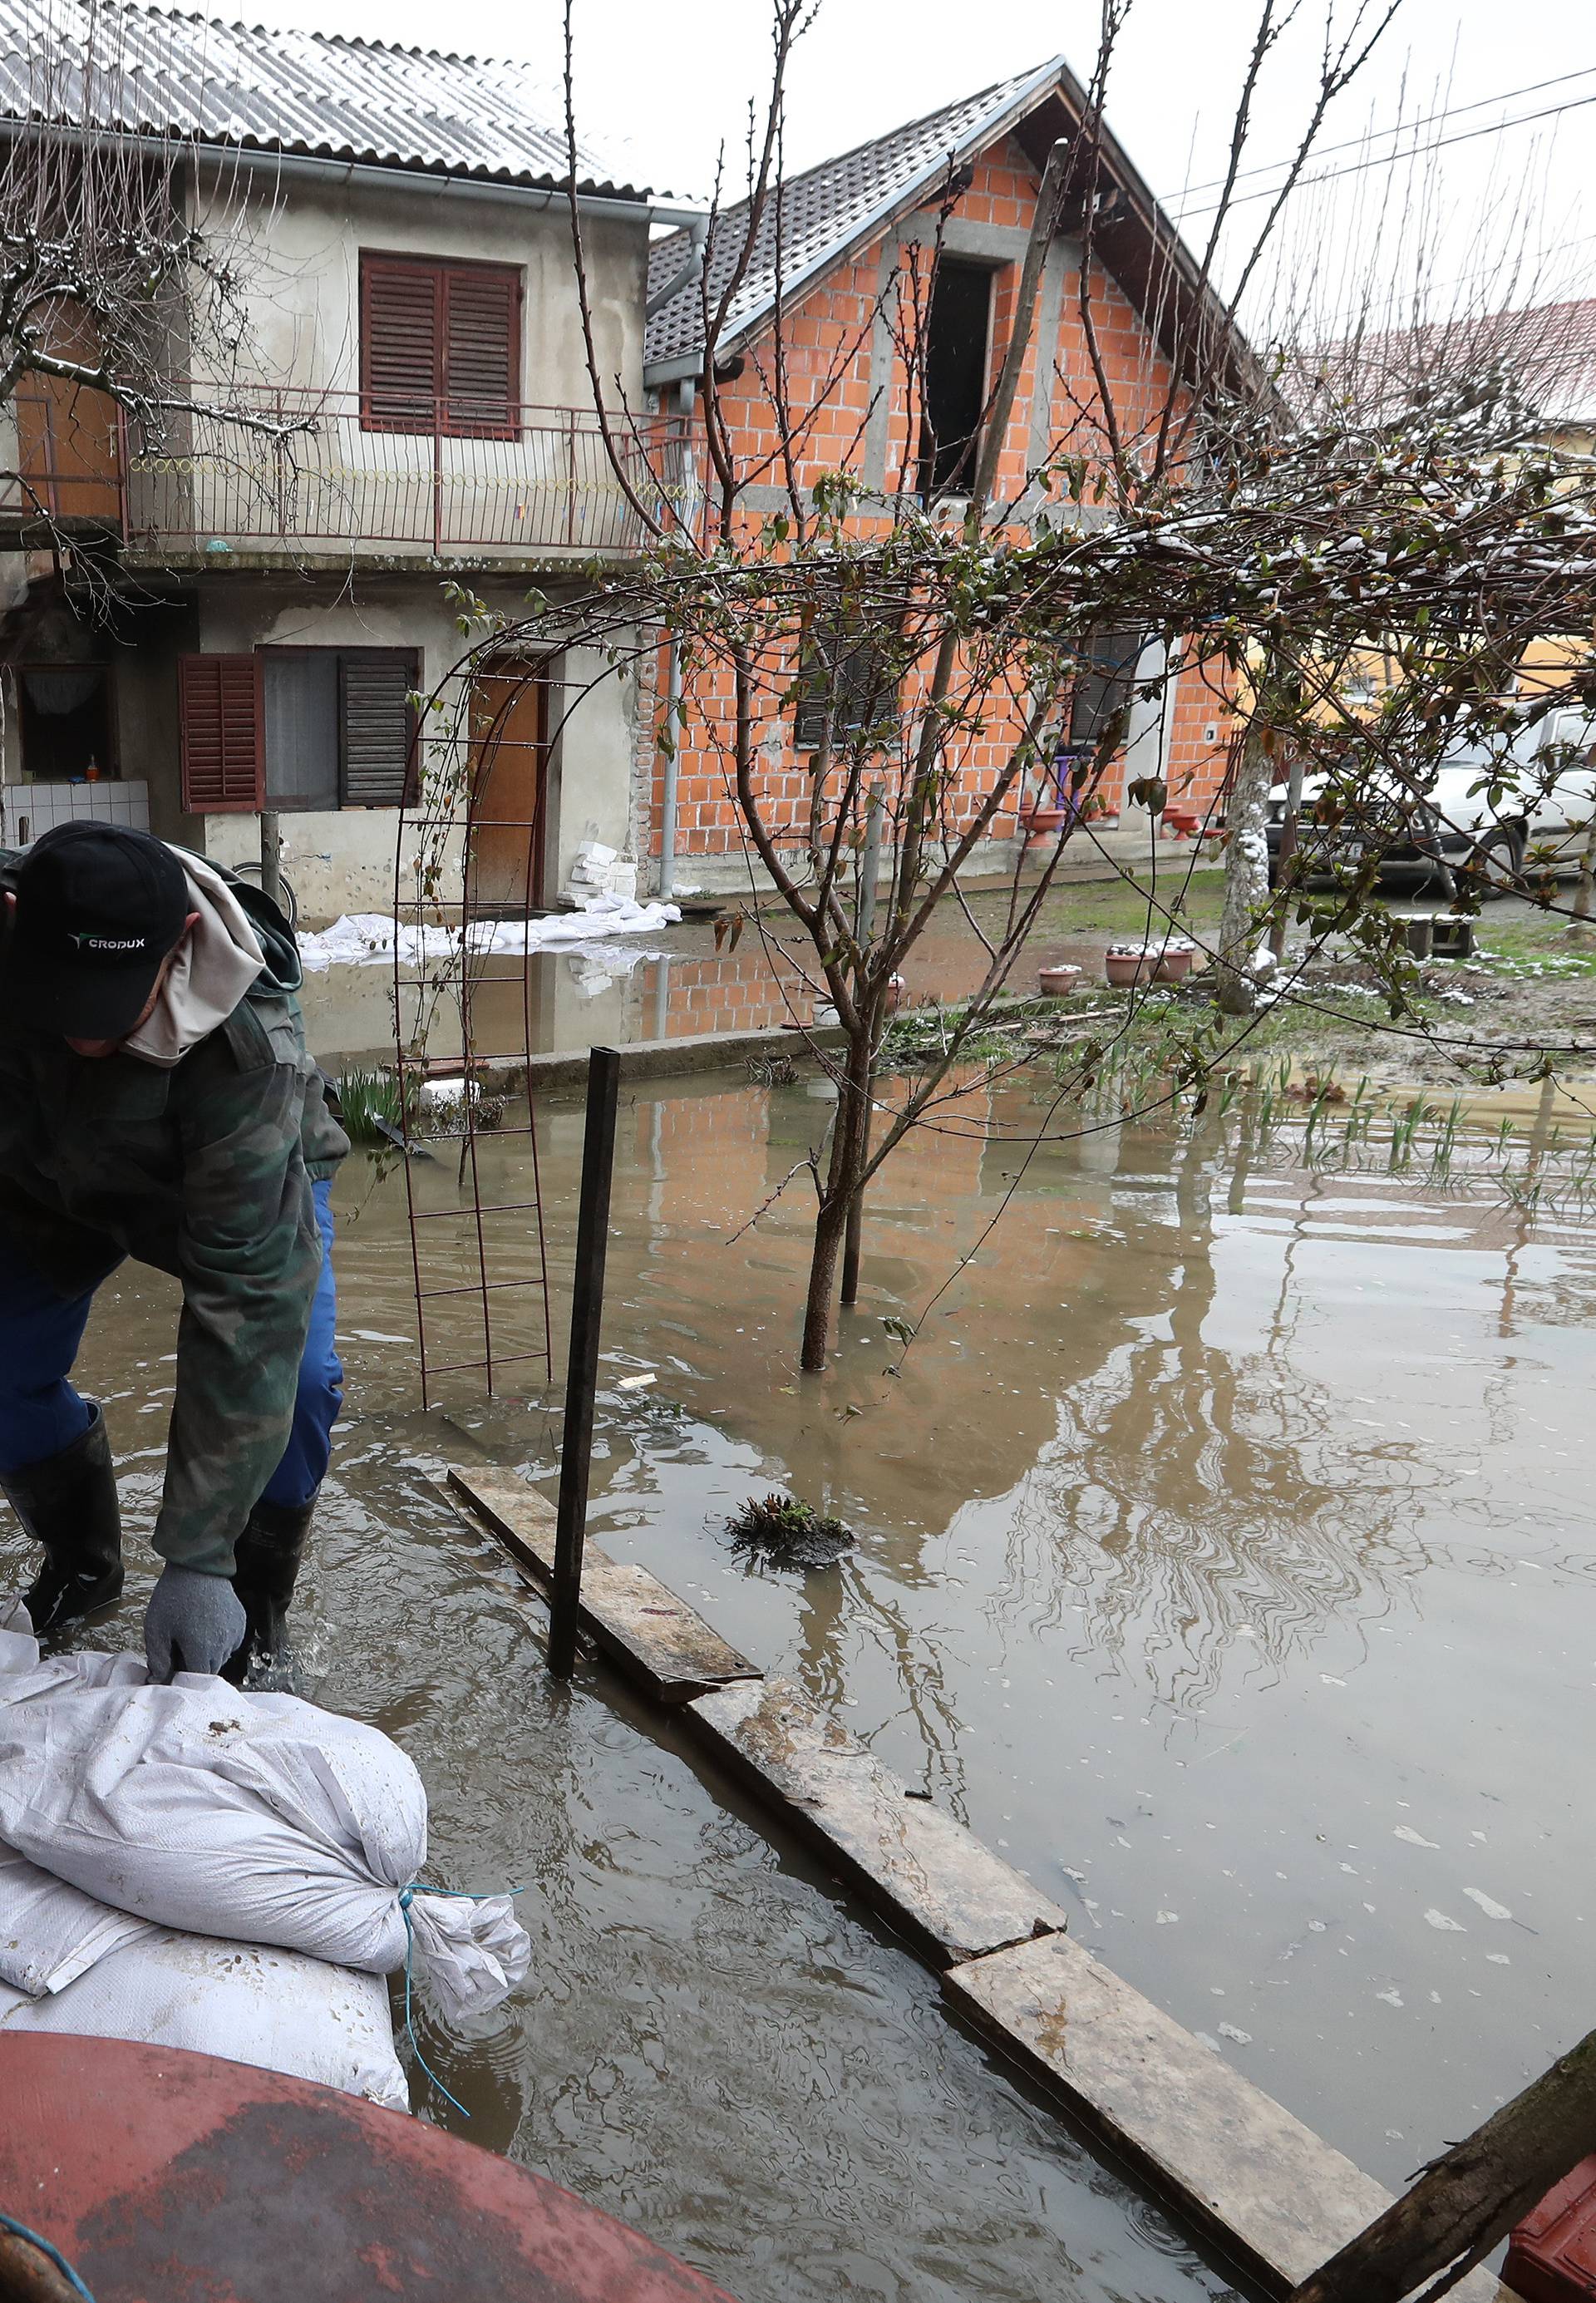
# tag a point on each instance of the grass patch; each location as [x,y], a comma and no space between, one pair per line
[1114,907]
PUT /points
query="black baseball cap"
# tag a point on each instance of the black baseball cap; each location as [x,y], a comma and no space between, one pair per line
[99,906]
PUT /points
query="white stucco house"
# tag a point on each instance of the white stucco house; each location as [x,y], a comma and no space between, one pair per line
[404,238]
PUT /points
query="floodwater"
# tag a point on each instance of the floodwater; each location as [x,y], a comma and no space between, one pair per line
[677,982]
[1225,1559]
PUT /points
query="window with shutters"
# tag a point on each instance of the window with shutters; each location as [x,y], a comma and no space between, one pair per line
[845,673]
[338,729]
[440,346]
[220,721]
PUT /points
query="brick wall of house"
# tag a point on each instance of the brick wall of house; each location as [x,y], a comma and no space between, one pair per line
[830,343]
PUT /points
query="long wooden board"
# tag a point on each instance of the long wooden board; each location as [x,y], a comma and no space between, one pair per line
[931,1877]
[643,1628]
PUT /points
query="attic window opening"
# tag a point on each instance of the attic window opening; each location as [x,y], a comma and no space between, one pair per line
[955,351]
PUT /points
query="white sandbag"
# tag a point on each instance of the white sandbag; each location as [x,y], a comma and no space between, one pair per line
[277,2009]
[50,1934]
[257,1818]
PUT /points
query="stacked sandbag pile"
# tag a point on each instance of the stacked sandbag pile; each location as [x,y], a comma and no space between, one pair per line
[232,1873]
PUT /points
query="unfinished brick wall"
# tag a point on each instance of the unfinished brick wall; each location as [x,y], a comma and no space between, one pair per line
[842,343]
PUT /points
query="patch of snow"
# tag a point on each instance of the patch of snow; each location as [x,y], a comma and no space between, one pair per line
[366,939]
[1448,1927]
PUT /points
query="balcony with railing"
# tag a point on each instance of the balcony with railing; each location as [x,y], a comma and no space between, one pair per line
[267,471]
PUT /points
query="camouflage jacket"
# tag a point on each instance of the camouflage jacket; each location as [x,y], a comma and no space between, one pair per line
[205,1171]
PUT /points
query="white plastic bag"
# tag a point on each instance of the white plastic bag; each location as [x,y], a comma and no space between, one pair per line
[277,2009]
[257,1818]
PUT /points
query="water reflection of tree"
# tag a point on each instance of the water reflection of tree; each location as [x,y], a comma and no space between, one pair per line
[1194,1490]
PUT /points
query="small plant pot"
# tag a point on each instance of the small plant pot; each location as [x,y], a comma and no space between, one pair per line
[1419,934]
[1123,968]
[1174,965]
[1042,825]
[1058,982]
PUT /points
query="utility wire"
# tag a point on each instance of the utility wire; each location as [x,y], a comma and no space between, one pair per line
[1398,128]
[1390,159]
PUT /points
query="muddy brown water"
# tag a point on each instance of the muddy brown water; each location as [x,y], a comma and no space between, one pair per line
[1225,1559]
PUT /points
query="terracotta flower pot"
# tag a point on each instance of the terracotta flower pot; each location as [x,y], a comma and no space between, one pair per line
[1058,982]
[1127,967]
[1041,825]
[1174,964]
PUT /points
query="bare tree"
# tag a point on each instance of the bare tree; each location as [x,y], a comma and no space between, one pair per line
[936,644]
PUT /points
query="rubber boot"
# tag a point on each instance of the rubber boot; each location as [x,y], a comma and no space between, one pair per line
[68,1503]
[265,1568]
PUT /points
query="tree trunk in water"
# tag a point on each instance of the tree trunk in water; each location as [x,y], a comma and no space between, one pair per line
[838,1198]
[829,1226]
[853,1239]
[1247,877]
[1468,2199]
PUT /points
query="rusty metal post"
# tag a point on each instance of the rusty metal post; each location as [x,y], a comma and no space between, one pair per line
[581,1370]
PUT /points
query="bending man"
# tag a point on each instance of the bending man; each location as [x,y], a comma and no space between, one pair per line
[157,1101]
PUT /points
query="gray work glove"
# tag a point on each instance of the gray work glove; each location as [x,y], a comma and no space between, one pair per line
[193,1623]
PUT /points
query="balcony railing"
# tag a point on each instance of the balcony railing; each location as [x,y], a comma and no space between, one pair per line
[311,470]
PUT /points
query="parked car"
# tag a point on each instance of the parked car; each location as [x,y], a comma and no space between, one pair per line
[1545,794]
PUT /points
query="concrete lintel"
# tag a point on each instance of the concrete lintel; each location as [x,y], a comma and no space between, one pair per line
[986,243]
[655,1638]
[930,1877]
[1274,2195]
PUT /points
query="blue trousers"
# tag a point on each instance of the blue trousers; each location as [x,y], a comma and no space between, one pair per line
[40,1413]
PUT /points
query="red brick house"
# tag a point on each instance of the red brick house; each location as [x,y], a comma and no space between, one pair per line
[840,269]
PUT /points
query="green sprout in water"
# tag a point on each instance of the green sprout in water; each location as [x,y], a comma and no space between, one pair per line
[788,1533]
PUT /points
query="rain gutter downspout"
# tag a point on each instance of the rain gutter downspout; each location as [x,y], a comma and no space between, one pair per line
[687,390]
[670,780]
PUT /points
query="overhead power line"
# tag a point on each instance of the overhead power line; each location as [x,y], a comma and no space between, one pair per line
[1392,159]
[1397,128]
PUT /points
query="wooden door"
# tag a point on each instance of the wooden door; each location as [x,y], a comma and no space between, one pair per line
[509,783]
[67,451]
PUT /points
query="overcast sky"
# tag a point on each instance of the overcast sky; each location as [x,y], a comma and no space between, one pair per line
[1509,217]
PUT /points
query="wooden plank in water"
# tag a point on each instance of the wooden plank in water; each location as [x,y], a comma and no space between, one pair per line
[1276,2196]
[654,1636]
[931,1877]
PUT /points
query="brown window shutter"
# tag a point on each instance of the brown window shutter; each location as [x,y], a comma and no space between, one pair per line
[376,726]
[401,344]
[220,724]
[482,349]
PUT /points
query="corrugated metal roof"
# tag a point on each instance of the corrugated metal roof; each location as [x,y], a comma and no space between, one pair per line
[823,210]
[1547,350]
[316,95]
